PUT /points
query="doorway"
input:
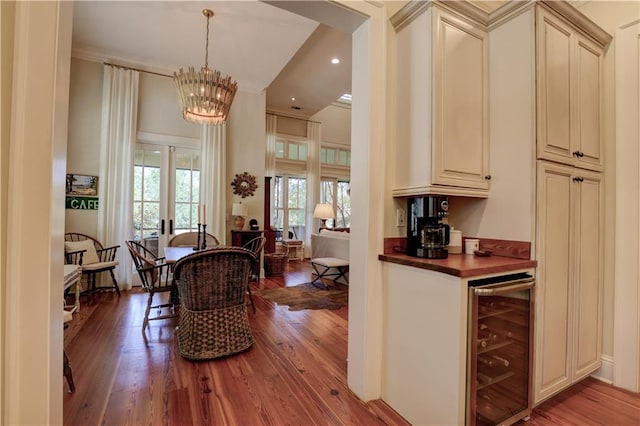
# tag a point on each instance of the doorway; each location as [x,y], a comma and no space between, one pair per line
[166,187]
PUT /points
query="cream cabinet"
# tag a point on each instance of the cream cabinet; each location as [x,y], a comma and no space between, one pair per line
[441,144]
[569,94]
[568,325]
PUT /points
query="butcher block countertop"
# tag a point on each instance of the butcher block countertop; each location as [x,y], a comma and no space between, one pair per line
[506,256]
[462,265]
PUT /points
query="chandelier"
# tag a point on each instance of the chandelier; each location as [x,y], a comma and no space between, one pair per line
[205,96]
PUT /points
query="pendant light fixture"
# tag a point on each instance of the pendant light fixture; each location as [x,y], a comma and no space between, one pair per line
[205,96]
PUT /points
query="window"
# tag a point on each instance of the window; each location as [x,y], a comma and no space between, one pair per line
[337,193]
[291,150]
[335,156]
[290,200]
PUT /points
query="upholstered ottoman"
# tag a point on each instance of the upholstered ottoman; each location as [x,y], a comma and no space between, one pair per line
[327,267]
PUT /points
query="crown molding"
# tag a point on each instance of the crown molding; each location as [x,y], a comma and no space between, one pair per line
[578,20]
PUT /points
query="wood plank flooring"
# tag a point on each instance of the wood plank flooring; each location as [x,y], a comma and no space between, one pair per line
[295,373]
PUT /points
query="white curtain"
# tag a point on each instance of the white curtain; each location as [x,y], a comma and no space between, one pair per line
[117,142]
[213,177]
[313,178]
[270,160]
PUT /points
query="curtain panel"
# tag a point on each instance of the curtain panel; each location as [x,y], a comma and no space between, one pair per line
[117,142]
[313,179]
[213,173]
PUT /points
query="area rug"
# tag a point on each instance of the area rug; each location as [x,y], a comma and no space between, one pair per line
[308,296]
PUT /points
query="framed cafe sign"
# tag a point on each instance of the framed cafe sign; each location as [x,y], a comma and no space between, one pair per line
[81,192]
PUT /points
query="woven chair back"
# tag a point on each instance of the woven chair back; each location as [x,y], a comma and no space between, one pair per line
[190,239]
[213,279]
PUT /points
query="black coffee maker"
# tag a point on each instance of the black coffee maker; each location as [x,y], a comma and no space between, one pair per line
[427,237]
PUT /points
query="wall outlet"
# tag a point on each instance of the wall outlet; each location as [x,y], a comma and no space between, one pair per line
[400,217]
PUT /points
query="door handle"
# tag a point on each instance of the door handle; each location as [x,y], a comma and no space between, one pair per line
[524,285]
[170,226]
[162,227]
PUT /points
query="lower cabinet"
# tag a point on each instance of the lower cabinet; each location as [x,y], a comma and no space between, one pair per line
[568,325]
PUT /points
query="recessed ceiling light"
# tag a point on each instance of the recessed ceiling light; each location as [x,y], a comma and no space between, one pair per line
[293,99]
[335,61]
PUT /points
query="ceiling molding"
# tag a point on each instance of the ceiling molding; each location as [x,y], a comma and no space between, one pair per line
[579,20]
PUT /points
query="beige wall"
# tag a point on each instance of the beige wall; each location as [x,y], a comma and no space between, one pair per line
[7,11]
[246,150]
[336,124]
[610,15]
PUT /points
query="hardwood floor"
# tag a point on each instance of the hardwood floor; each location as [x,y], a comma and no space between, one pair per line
[295,373]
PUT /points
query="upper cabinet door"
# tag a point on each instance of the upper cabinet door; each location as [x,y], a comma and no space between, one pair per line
[554,88]
[569,94]
[460,102]
[588,134]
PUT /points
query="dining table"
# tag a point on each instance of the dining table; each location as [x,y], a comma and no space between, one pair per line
[173,254]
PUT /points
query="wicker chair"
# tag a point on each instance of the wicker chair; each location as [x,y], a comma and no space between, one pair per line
[154,276]
[255,246]
[213,314]
[190,239]
[95,259]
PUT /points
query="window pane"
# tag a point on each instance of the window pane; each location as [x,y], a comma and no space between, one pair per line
[279,149]
[343,213]
[183,216]
[323,155]
[326,191]
[151,184]
[293,151]
[302,153]
[137,220]
[183,185]
[342,158]
[331,156]
[151,215]
[137,183]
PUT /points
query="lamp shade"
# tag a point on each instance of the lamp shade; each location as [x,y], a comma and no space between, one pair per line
[239,209]
[323,211]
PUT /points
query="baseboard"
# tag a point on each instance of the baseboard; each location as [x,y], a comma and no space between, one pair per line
[605,372]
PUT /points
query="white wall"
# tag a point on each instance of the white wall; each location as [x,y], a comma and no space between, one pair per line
[336,124]
[246,151]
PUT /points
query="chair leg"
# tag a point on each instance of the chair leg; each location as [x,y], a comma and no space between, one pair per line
[115,283]
[145,322]
[66,368]
[251,298]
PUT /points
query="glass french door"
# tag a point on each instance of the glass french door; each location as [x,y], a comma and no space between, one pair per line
[166,187]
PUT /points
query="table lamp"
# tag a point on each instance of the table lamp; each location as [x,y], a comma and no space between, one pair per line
[239,211]
[323,212]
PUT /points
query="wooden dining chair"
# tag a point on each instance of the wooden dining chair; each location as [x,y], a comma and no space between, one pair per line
[190,239]
[255,246]
[155,278]
[95,259]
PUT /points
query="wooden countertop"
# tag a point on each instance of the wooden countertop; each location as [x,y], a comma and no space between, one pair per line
[462,265]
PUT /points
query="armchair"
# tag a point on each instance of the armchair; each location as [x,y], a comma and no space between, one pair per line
[95,259]
[213,314]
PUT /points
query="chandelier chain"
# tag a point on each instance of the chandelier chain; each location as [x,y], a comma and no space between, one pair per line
[206,50]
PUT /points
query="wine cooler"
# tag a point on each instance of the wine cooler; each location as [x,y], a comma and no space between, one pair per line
[500,337]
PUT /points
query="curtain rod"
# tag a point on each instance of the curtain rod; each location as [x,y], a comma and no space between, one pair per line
[293,117]
[136,69]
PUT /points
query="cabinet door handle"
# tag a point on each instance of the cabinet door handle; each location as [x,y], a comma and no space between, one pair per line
[487,177]
[578,179]
[580,154]
[576,153]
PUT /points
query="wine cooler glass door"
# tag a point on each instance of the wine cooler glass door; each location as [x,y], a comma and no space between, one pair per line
[500,343]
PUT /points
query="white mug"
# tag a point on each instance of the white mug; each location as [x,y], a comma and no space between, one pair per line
[471,245]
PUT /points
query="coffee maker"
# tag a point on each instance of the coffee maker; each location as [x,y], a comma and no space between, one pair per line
[427,236]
